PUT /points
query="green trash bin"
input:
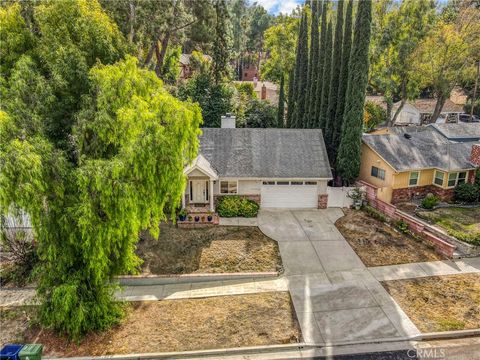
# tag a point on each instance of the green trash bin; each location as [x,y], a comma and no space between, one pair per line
[31,352]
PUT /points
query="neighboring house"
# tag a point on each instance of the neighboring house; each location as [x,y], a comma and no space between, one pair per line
[404,165]
[458,132]
[277,168]
[458,96]
[186,70]
[419,112]
[249,71]
[265,90]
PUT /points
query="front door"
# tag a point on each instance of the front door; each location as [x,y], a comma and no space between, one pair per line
[198,187]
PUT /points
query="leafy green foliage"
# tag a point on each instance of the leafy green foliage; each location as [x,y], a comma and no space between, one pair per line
[222,51]
[374,213]
[348,161]
[260,114]
[326,81]
[94,152]
[373,115]
[402,226]
[467,192]
[171,65]
[233,206]
[429,201]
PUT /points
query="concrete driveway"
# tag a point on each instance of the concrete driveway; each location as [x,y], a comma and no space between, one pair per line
[336,298]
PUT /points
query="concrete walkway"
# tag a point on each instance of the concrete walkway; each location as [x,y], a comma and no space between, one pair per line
[336,298]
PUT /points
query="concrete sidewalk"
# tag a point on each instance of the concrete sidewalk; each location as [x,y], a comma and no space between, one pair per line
[336,298]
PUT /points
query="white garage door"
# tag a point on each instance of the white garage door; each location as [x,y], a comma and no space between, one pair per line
[292,195]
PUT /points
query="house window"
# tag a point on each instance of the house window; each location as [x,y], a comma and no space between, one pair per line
[207,189]
[269,183]
[455,179]
[283,183]
[310,183]
[296,183]
[438,180]
[413,180]
[378,173]
[228,187]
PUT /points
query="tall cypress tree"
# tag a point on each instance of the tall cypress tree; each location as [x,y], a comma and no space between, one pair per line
[336,68]
[327,76]
[222,51]
[342,82]
[281,104]
[291,98]
[301,73]
[315,114]
[348,163]
[313,61]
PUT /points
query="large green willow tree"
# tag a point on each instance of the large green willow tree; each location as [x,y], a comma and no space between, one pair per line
[348,161]
[93,149]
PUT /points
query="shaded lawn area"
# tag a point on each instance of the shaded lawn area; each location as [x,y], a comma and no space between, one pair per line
[461,223]
[439,303]
[187,324]
[378,244]
[217,249]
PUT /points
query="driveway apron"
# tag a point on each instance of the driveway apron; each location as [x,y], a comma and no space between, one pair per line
[336,299]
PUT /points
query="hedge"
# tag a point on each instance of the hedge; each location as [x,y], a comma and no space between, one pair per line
[236,206]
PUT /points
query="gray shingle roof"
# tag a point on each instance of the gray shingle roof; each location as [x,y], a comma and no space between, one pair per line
[266,153]
[425,149]
[459,131]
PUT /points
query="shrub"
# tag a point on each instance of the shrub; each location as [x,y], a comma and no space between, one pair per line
[374,213]
[467,193]
[402,226]
[429,201]
[232,206]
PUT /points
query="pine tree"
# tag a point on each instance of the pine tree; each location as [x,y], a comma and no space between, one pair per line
[348,164]
[281,104]
[342,82]
[291,98]
[336,68]
[317,103]
[327,76]
[301,73]
[313,61]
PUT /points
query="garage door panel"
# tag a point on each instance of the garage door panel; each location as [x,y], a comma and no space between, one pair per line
[289,196]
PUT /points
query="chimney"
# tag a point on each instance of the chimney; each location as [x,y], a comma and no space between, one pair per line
[475,155]
[264,92]
[228,121]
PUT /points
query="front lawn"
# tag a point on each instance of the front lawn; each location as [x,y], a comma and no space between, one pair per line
[439,303]
[218,249]
[461,223]
[378,244]
[182,325]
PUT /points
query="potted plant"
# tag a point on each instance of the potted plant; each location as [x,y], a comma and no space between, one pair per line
[210,216]
[190,218]
[356,194]
[197,218]
[182,215]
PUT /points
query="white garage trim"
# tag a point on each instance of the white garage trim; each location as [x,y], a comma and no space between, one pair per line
[289,194]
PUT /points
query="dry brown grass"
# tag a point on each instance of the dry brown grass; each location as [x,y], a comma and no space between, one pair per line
[14,322]
[378,244]
[217,249]
[439,303]
[188,324]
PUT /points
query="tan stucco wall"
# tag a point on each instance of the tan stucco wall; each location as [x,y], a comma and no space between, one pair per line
[369,159]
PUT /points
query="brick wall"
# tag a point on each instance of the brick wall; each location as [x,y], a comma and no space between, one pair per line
[416,226]
[475,154]
[322,201]
[406,194]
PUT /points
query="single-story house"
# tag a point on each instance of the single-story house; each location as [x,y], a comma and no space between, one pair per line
[277,168]
[419,112]
[407,165]
[186,70]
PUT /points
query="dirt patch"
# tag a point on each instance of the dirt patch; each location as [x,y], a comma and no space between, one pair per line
[439,303]
[462,223]
[378,244]
[219,249]
[187,324]
[14,322]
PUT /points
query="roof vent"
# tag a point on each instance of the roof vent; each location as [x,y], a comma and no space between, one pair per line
[407,136]
[228,121]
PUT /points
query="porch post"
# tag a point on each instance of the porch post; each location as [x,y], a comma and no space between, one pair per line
[183,198]
[210,192]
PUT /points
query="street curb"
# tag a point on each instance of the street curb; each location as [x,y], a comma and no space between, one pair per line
[189,354]
[139,280]
[447,334]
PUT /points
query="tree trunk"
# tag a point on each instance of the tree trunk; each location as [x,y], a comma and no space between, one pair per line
[389,102]
[438,108]
[475,91]
[131,19]
[149,57]
[160,54]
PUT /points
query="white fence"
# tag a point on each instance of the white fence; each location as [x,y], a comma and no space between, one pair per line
[338,196]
